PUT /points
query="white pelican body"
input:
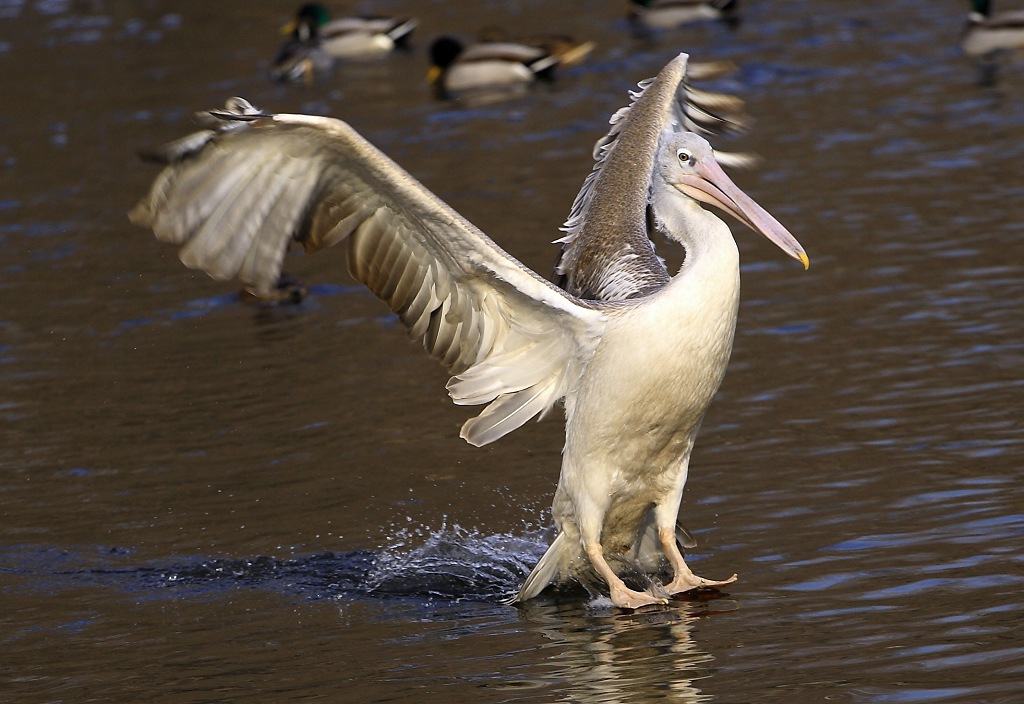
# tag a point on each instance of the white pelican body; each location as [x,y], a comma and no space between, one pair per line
[636,356]
[658,367]
[617,467]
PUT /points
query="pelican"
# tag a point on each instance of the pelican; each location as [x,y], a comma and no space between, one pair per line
[986,33]
[634,354]
[316,41]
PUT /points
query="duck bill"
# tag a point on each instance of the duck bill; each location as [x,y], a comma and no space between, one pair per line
[711,185]
[289,27]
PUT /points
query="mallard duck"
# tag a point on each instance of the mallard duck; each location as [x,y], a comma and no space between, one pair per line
[458,69]
[666,14]
[986,34]
[636,354]
[568,51]
[316,41]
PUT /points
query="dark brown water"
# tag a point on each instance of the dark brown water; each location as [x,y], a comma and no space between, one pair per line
[201,501]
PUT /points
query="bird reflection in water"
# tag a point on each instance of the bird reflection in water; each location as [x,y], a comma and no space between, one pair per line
[600,654]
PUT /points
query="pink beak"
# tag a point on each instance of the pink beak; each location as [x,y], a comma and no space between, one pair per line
[711,185]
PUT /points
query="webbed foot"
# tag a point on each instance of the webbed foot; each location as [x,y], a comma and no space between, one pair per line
[626,598]
[689,581]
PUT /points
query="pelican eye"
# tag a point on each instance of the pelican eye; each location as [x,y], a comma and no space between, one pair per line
[685,157]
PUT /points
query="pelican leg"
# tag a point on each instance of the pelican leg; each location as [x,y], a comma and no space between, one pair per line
[622,596]
[684,579]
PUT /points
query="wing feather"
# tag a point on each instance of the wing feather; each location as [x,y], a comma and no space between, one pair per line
[508,412]
[234,200]
[282,218]
[207,244]
[607,252]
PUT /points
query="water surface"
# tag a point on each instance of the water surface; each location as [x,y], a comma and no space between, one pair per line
[206,501]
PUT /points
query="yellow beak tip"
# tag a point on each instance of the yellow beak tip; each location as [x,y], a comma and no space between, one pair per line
[805,261]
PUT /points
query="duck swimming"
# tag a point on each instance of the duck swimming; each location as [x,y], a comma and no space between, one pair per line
[316,41]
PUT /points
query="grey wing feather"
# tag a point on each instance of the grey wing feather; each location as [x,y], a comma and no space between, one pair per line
[607,252]
[236,201]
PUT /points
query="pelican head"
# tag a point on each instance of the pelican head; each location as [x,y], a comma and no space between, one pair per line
[688,163]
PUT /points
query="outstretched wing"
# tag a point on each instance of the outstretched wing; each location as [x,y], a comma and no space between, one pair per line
[234,196]
[607,253]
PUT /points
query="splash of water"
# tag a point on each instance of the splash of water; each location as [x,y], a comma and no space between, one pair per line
[451,563]
[455,563]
